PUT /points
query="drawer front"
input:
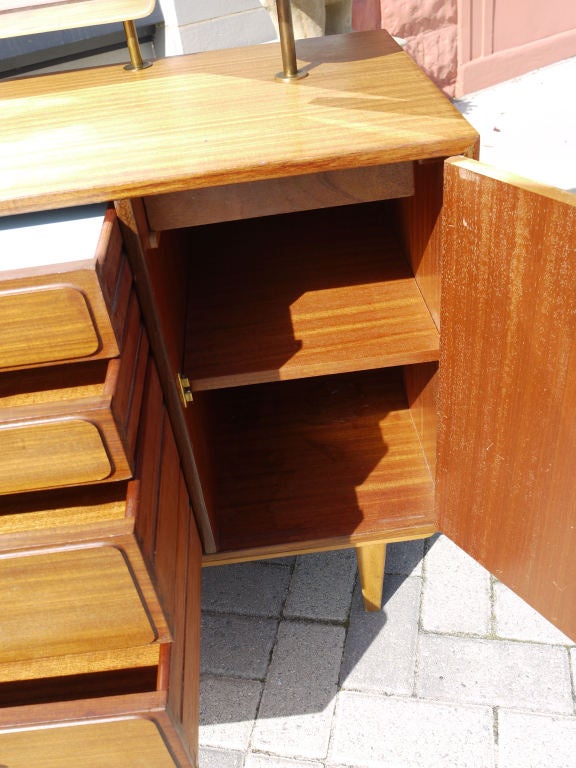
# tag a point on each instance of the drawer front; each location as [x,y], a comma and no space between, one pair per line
[74,424]
[46,325]
[114,732]
[59,312]
[39,455]
[115,744]
[85,620]
[89,601]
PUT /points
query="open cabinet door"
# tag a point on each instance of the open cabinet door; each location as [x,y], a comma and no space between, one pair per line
[507,444]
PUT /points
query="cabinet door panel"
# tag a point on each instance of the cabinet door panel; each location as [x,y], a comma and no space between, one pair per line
[507,442]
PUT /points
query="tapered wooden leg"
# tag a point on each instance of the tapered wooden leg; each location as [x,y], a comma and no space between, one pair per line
[371,561]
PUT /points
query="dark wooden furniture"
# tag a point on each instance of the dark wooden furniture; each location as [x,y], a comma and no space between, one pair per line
[263,349]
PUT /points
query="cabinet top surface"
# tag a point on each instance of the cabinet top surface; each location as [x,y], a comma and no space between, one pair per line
[218,118]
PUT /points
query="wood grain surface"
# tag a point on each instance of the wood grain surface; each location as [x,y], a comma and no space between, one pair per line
[325,458]
[114,743]
[59,312]
[219,118]
[49,454]
[73,601]
[169,541]
[45,325]
[63,426]
[507,447]
[68,507]
[233,202]
[303,295]
[137,726]
[22,17]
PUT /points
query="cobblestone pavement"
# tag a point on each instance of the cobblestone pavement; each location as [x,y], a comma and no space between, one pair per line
[455,671]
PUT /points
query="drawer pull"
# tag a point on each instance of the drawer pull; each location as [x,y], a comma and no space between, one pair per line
[51,454]
[45,325]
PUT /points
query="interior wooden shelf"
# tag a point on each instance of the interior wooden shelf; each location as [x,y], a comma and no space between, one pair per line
[301,295]
[327,458]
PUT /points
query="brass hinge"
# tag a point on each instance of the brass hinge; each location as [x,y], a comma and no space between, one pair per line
[185,389]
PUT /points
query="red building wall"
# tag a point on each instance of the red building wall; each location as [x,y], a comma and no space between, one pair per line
[465,45]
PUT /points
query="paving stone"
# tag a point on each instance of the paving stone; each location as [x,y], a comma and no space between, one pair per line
[322,586]
[494,672]
[295,714]
[255,589]
[456,596]
[388,732]
[266,761]
[285,561]
[517,620]
[227,711]
[533,741]
[405,557]
[239,646]
[219,758]
[380,651]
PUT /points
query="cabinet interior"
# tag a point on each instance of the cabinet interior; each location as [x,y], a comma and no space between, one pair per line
[306,340]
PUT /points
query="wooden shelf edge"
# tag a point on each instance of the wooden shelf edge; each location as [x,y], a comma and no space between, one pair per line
[422,530]
[410,357]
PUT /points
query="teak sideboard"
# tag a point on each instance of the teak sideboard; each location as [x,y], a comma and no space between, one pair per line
[241,319]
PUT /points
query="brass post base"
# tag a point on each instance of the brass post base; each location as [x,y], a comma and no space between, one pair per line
[282,77]
[136,60]
[291,72]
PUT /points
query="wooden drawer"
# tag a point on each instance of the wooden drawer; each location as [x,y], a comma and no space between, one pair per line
[74,424]
[82,607]
[64,286]
[116,732]
[96,662]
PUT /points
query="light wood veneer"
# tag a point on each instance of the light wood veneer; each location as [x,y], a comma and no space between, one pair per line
[303,295]
[22,17]
[218,118]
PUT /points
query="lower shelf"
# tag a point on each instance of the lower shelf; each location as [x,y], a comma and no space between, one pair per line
[305,463]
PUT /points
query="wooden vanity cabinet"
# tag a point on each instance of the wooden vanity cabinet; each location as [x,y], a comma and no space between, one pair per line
[372,343]
[298,331]
[307,428]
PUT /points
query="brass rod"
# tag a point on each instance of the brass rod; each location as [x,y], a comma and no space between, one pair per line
[136,60]
[287,44]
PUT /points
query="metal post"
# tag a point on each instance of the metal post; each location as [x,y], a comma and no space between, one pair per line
[136,60]
[287,44]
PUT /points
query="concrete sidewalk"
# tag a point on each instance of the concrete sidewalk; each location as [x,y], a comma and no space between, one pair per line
[455,671]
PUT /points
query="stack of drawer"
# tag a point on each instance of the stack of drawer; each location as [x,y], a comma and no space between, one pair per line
[85,642]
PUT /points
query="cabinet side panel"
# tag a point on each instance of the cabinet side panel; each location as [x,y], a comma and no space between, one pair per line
[160,275]
[191,671]
[419,223]
[507,442]
[421,382]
